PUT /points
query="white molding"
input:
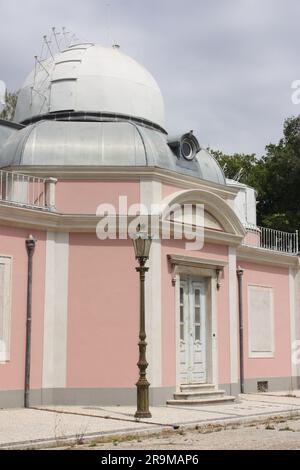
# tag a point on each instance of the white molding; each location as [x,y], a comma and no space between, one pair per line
[211,324]
[195,262]
[177,330]
[214,332]
[187,365]
[84,223]
[294,315]
[7,304]
[150,193]
[214,204]
[56,310]
[233,315]
[261,354]
[266,257]
[11,215]
[206,268]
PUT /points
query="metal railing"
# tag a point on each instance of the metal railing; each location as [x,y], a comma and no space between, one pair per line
[270,239]
[25,190]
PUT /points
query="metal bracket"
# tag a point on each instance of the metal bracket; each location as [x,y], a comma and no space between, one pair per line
[218,273]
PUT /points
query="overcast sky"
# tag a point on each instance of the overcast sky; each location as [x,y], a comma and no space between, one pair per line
[225,67]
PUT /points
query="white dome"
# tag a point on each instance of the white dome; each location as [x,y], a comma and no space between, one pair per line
[91,78]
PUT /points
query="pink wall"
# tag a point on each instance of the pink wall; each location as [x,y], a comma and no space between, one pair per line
[277,278]
[168,189]
[12,241]
[252,238]
[168,310]
[103,314]
[77,197]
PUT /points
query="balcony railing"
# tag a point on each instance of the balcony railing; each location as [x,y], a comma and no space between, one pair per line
[27,191]
[269,239]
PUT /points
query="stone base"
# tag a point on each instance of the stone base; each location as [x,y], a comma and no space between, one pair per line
[82,396]
[275,384]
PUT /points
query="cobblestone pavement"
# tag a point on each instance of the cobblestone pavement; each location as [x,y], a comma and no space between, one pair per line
[63,426]
[282,435]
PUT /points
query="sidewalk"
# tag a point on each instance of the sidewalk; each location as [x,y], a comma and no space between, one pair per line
[56,426]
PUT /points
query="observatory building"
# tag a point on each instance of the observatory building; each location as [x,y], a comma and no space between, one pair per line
[89,144]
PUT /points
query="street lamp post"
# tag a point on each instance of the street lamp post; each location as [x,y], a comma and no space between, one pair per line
[30,247]
[142,244]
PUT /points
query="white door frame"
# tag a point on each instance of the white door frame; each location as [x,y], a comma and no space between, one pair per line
[211,323]
[192,349]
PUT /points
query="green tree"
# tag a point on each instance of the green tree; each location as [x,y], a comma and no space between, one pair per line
[237,166]
[279,186]
[9,110]
[275,176]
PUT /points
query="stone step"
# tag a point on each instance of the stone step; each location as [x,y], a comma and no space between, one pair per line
[197,387]
[205,401]
[201,394]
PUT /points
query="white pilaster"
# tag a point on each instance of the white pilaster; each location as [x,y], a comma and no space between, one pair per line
[233,315]
[214,332]
[294,285]
[56,310]
[150,193]
[50,186]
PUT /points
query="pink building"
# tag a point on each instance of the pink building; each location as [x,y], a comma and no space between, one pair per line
[90,130]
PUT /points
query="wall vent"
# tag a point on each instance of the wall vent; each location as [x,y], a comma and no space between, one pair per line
[262,386]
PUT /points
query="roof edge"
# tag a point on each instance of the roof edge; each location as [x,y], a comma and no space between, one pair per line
[13,125]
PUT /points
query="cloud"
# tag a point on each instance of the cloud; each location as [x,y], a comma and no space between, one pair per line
[225,68]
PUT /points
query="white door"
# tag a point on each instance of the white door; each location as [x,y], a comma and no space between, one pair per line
[192,331]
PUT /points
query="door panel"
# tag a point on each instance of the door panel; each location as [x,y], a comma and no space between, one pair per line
[198,340]
[183,331]
[192,331]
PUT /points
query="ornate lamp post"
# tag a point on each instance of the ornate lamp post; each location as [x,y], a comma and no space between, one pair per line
[30,247]
[142,244]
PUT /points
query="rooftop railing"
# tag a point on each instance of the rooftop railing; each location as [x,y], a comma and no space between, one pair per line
[270,239]
[27,191]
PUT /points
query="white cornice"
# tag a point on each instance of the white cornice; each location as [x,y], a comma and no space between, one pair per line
[222,238]
[263,256]
[181,264]
[15,216]
[46,220]
[181,260]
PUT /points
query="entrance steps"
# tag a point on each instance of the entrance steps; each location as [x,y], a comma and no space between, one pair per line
[200,394]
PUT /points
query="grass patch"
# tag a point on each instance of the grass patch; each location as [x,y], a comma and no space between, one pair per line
[270,427]
[286,428]
[93,444]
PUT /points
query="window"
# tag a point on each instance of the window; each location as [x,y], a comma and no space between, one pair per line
[182,313]
[261,321]
[197,314]
[188,148]
[5,307]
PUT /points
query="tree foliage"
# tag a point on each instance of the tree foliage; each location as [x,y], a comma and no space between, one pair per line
[240,167]
[275,176]
[280,185]
[11,101]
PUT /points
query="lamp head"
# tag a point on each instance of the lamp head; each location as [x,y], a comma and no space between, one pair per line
[142,244]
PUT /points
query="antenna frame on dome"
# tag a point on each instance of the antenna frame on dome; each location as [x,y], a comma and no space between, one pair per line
[99,81]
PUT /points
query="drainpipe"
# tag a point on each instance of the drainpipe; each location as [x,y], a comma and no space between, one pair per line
[30,246]
[240,273]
